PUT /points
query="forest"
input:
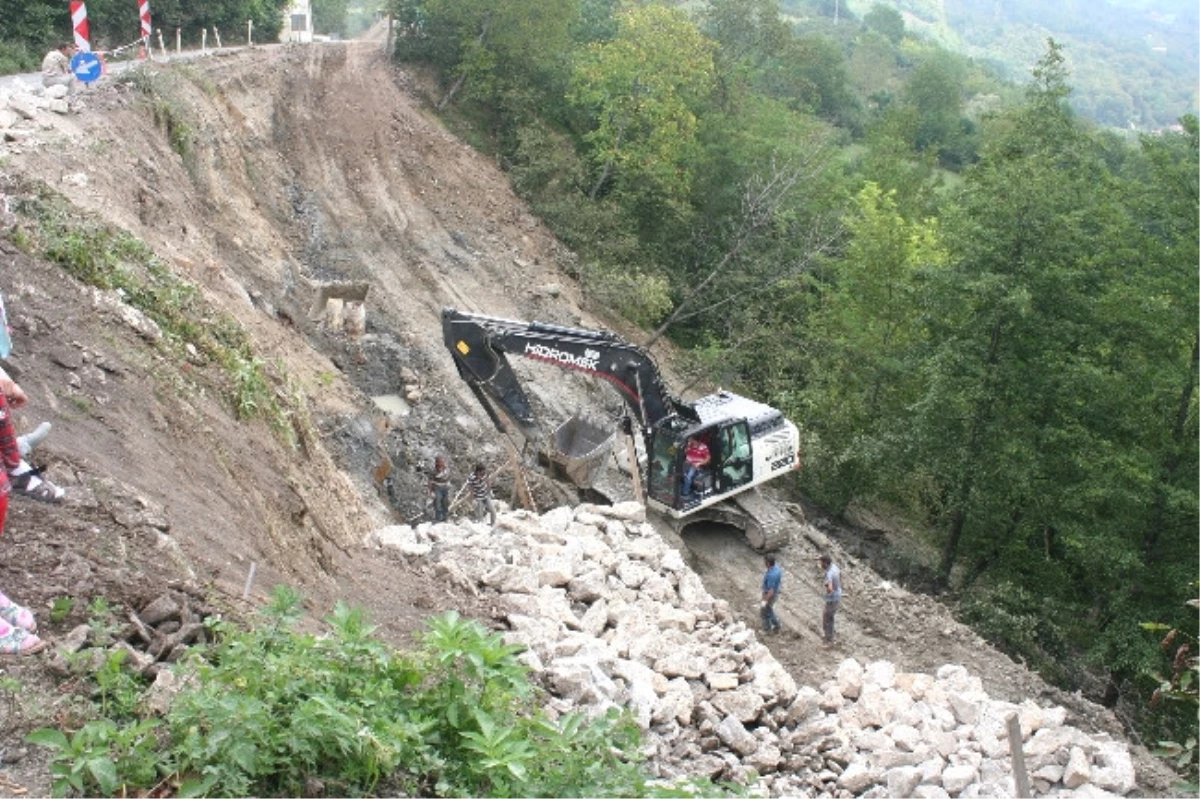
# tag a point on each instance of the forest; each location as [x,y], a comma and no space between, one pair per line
[980,307]
[1133,62]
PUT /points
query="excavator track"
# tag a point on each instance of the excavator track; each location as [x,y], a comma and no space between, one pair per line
[765,525]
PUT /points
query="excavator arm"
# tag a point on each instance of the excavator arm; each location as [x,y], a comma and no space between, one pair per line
[480,346]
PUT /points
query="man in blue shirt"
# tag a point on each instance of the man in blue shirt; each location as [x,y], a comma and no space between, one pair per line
[833,596]
[772,581]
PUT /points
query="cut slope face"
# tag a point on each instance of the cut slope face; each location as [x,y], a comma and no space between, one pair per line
[254,175]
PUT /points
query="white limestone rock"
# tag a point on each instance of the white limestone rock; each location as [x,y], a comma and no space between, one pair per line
[733,734]
[1078,769]
[956,778]
[901,782]
[850,678]
[744,704]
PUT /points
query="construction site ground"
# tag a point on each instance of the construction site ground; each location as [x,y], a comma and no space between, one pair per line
[315,163]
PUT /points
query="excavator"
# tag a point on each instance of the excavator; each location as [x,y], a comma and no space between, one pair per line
[748,442]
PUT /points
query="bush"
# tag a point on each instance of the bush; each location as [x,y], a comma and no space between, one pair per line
[15,57]
[276,712]
[1177,693]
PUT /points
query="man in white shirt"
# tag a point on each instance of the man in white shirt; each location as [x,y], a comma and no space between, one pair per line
[56,68]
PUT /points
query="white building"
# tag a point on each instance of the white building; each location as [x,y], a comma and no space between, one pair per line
[298,26]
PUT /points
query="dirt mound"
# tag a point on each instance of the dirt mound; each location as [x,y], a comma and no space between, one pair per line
[255,175]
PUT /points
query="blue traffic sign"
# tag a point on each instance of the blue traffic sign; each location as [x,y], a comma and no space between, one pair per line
[87,67]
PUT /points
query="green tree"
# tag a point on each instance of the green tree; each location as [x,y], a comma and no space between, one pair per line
[642,91]
[1037,242]
[864,333]
[886,21]
[1171,211]
[487,49]
[935,92]
[30,29]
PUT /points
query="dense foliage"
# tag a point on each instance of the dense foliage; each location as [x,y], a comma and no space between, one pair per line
[273,711]
[981,310]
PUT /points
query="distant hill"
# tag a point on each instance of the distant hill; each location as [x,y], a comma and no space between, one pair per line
[1134,63]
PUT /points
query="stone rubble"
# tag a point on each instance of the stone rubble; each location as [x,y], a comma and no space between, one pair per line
[612,616]
[27,109]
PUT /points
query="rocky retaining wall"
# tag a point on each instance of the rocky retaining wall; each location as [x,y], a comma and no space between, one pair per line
[611,615]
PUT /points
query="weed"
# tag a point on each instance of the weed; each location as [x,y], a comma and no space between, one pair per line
[179,133]
[60,608]
[102,757]
[82,404]
[144,80]
[102,619]
[10,690]
[198,78]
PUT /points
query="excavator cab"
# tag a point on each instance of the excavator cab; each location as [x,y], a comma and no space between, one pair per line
[731,465]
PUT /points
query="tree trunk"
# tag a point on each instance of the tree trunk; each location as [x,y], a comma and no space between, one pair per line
[983,414]
[608,167]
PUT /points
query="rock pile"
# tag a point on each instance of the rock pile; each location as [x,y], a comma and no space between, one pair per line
[611,615]
[152,638]
[26,109]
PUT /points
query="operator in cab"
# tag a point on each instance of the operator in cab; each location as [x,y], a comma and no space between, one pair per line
[697,457]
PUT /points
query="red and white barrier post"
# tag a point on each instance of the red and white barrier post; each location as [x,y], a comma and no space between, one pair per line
[79,23]
[147,28]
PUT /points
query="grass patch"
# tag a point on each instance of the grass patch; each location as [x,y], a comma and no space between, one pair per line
[166,111]
[192,331]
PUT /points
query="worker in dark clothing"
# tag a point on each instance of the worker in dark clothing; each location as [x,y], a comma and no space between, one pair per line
[439,486]
[772,582]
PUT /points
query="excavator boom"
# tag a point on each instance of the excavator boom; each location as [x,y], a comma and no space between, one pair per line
[481,346]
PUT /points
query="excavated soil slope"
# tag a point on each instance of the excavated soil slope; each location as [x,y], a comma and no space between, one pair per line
[295,164]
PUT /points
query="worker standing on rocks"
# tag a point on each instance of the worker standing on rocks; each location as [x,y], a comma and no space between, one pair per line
[481,489]
[772,582]
[439,486]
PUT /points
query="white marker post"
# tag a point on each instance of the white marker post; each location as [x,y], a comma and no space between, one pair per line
[161,46]
[217,36]
[250,579]
[204,41]
[249,33]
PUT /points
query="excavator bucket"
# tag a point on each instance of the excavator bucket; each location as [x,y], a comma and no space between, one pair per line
[581,449]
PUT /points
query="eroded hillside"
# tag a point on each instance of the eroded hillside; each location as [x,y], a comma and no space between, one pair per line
[253,175]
